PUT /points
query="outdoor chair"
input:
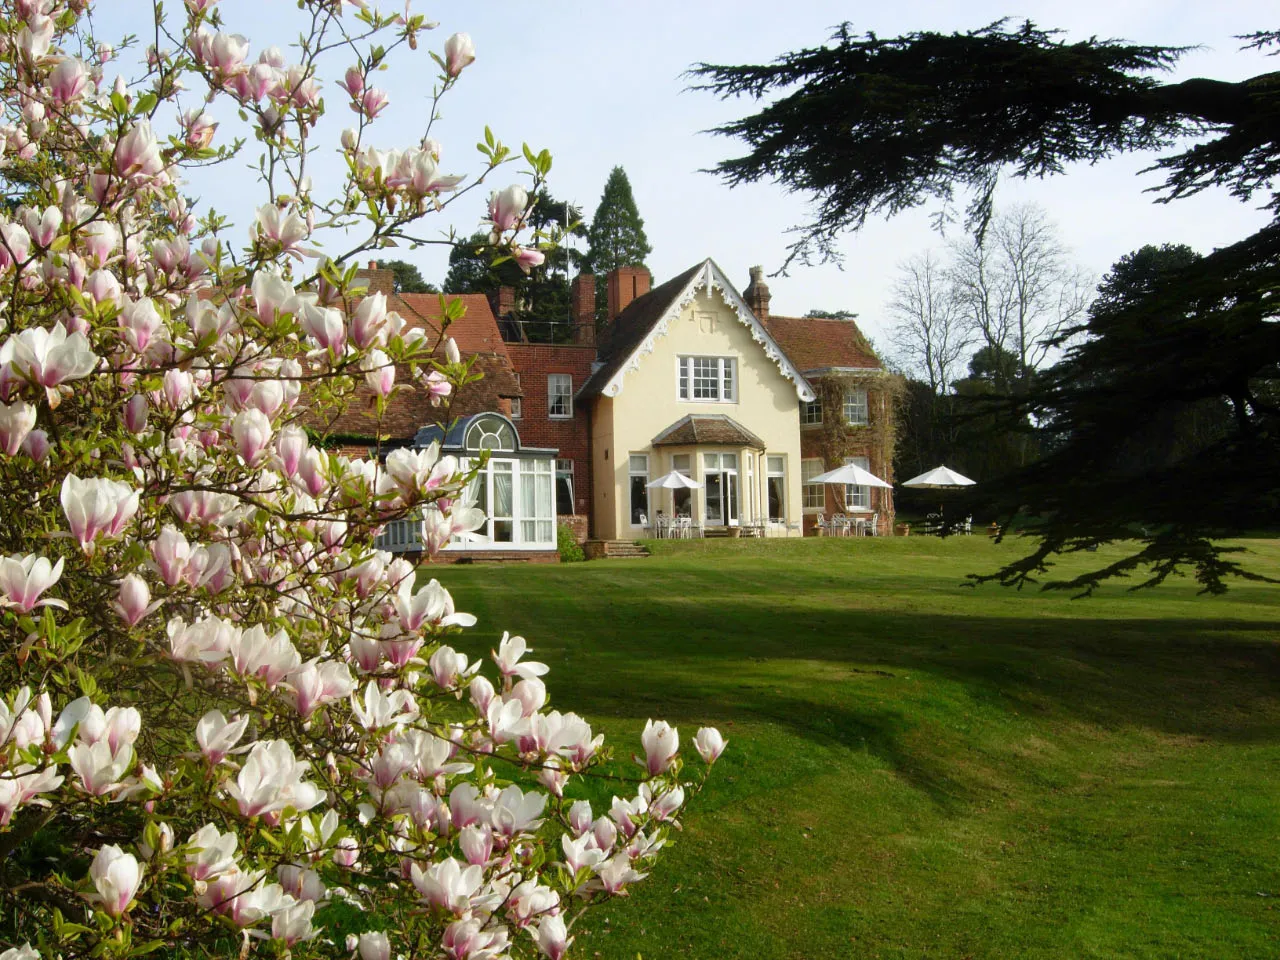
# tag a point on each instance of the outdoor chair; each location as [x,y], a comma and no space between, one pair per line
[869,525]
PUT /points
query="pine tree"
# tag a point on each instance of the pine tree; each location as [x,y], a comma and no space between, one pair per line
[616,235]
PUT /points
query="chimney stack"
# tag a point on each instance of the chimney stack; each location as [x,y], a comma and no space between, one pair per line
[503,302]
[624,285]
[757,294]
[584,309]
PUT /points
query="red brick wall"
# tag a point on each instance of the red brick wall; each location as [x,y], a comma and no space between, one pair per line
[534,361]
[881,499]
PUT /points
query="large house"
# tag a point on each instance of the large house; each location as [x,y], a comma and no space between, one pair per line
[691,376]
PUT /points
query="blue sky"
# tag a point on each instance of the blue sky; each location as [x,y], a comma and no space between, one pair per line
[601,84]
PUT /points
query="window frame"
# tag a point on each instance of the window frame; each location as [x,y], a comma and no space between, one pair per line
[852,394]
[564,471]
[854,491]
[632,473]
[809,491]
[552,397]
[725,378]
[779,473]
[808,408]
[517,403]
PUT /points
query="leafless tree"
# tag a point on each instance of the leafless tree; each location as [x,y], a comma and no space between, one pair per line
[1016,286]
[930,336]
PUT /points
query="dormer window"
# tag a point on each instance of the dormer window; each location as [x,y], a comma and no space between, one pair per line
[707,379]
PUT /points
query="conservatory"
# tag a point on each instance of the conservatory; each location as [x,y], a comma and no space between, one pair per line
[515,488]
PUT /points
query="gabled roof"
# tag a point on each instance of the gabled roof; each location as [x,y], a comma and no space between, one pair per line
[820,345]
[707,428]
[636,329]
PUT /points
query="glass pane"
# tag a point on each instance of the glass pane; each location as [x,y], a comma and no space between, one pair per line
[639,464]
[639,501]
[775,465]
[564,494]
[527,506]
[546,531]
[731,496]
[681,463]
[503,531]
[528,530]
[502,500]
[543,511]
[777,501]
[729,461]
[683,500]
[714,500]
[711,461]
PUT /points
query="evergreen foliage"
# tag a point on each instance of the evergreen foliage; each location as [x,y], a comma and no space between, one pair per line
[616,236]
[937,117]
[542,297]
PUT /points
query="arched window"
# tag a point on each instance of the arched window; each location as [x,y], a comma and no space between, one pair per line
[490,433]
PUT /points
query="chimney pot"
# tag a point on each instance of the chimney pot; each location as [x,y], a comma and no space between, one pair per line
[757,294]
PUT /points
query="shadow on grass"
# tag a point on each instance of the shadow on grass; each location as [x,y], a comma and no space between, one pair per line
[729,662]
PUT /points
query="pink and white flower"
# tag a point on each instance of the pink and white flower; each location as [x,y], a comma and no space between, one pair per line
[23,579]
[116,876]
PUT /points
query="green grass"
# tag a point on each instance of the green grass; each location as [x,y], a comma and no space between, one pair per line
[921,769]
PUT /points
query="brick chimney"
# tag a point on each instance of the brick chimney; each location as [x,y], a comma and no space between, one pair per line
[377,279]
[757,294]
[503,302]
[584,309]
[624,285]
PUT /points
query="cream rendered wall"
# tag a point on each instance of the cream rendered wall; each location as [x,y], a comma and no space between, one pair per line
[766,404]
[604,524]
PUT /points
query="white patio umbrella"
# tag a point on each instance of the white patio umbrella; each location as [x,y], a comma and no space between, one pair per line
[939,478]
[850,473]
[675,480]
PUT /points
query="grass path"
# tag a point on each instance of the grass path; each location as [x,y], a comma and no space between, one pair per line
[922,769]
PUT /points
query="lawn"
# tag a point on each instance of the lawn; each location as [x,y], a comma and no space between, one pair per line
[921,769]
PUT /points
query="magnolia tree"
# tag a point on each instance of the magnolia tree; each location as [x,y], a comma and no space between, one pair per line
[229,724]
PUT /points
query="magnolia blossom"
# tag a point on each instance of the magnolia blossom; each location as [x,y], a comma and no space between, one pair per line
[97,507]
[552,936]
[506,208]
[23,579]
[137,153]
[217,736]
[292,923]
[211,853]
[251,431]
[16,422]
[271,779]
[459,52]
[374,946]
[314,684]
[660,741]
[281,226]
[133,603]
[49,358]
[527,258]
[709,744]
[116,875]
[447,884]
[507,657]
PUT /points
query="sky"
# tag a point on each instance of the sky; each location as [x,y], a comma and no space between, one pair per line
[603,83]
